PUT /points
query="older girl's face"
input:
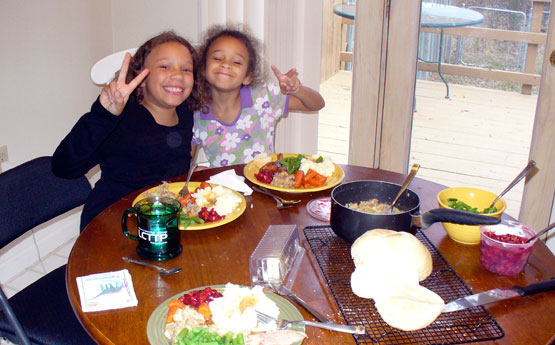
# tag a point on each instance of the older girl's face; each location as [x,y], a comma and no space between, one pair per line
[170,80]
[227,63]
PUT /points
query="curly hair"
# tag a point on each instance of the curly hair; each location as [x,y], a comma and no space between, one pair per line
[254,49]
[138,60]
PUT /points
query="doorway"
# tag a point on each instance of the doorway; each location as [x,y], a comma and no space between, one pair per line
[478,137]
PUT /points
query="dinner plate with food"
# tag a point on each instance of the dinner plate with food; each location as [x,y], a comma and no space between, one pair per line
[223,314]
[293,172]
[206,206]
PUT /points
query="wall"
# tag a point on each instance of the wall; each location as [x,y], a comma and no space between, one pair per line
[48,48]
[135,21]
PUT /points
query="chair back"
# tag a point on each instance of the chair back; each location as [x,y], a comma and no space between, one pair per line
[30,195]
[103,71]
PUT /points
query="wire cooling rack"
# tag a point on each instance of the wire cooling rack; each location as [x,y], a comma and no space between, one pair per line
[464,326]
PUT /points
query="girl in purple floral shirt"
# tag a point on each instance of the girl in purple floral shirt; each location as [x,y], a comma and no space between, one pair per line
[238,110]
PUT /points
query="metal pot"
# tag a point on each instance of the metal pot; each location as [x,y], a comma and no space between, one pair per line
[350,224]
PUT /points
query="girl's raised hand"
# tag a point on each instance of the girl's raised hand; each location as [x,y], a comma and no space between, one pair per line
[288,83]
[114,96]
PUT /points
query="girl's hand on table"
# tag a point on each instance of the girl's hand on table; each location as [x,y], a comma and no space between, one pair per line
[289,84]
[114,96]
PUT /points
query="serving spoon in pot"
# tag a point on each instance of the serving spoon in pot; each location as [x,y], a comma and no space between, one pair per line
[408,180]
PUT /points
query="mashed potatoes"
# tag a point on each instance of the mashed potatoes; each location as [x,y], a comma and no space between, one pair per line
[235,310]
[222,199]
[325,168]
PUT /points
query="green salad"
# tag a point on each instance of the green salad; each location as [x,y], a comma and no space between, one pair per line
[461,205]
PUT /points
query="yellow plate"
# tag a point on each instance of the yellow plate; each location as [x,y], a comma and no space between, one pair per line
[332,181]
[176,187]
[156,324]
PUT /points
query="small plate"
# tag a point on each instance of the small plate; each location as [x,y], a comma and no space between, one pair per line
[320,208]
[176,187]
[332,181]
[156,324]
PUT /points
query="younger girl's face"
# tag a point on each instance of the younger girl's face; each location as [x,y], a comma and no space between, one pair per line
[170,80]
[227,63]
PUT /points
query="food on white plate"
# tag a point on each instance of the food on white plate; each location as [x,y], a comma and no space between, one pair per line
[390,247]
[300,171]
[411,308]
[228,314]
[388,268]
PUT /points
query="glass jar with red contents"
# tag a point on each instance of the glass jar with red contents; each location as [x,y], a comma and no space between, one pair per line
[503,249]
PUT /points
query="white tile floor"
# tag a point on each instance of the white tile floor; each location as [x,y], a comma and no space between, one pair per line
[28,275]
[36,270]
[37,253]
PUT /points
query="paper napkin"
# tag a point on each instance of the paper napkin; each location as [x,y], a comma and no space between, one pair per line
[231,180]
[105,291]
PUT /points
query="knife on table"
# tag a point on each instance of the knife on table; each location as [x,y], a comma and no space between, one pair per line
[499,294]
[281,289]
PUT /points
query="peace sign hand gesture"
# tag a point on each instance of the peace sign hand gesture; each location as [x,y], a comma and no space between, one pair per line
[115,95]
[288,83]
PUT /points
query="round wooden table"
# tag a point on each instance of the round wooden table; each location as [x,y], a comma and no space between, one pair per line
[221,255]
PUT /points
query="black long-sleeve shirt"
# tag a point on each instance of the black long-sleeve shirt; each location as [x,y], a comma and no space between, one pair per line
[132,149]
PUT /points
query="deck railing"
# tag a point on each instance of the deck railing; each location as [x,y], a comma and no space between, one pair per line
[532,39]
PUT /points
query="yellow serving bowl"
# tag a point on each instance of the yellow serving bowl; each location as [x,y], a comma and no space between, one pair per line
[468,234]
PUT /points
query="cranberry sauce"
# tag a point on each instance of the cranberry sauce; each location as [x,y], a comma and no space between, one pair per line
[503,249]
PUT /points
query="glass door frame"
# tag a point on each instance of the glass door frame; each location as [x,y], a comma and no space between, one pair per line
[384,78]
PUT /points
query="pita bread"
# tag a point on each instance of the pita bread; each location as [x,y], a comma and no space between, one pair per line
[411,308]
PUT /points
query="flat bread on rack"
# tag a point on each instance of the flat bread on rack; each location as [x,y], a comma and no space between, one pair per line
[396,248]
[410,308]
[388,268]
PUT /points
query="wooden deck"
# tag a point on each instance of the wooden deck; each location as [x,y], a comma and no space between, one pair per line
[479,137]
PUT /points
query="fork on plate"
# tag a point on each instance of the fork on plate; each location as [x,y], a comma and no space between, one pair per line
[282,324]
[280,202]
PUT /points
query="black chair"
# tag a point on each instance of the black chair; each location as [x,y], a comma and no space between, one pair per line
[30,195]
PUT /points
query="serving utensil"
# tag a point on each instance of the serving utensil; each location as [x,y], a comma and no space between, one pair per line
[531,164]
[163,271]
[281,203]
[499,294]
[185,190]
[283,290]
[549,227]
[282,324]
[408,180]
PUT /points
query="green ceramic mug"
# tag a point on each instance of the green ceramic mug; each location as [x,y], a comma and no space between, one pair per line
[158,232]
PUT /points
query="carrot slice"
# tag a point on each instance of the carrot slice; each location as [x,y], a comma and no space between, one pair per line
[316,181]
[299,178]
[204,309]
[309,174]
[183,201]
[171,312]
